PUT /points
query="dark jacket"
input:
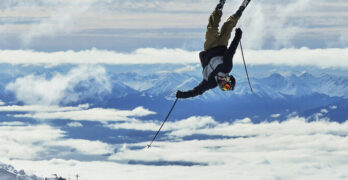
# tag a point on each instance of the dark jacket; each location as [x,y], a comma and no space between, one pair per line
[225,67]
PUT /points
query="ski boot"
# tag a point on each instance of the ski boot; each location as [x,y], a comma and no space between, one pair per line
[220,6]
[242,8]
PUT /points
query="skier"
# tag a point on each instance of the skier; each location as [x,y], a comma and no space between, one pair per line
[217,59]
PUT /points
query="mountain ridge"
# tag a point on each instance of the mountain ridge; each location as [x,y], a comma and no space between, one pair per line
[275,85]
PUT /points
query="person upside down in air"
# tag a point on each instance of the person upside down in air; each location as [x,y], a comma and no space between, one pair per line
[217,59]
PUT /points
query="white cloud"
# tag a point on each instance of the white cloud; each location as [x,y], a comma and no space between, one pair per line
[75,124]
[242,127]
[12,123]
[38,141]
[293,149]
[183,127]
[187,126]
[258,138]
[315,148]
[280,27]
[60,88]
[134,125]
[82,146]
[263,21]
[275,115]
[324,111]
[257,147]
[18,141]
[333,107]
[95,56]
[61,19]
[79,113]
[2,103]
[247,128]
[39,108]
[323,58]
[94,114]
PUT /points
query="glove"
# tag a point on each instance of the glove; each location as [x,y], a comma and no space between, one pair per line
[180,94]
[239,32]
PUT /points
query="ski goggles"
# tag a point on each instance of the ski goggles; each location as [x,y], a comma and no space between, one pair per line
[226,87]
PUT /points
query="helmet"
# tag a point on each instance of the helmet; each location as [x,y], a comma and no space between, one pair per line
[226,83]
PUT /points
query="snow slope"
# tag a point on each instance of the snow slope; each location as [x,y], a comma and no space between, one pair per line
[8,172]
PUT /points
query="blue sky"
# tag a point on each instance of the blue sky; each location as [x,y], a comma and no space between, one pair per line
[55,54]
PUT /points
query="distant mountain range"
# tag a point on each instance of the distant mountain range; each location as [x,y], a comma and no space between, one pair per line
[274,93]
[274,86]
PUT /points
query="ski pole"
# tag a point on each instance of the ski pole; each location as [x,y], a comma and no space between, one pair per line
[149,145]
[246,70]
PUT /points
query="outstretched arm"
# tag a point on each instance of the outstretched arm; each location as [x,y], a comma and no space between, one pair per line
[228,58]
[198,90]
[235,42]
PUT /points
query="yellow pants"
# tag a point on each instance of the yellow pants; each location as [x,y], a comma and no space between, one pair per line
[213,37]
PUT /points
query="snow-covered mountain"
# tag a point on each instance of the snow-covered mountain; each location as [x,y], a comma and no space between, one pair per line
[306,84]
[275,93]
[274,86]
[8,172]
[128,87]
[149,81]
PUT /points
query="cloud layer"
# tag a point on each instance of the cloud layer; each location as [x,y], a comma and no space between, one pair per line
[323,58]
[272,24]
[293,149]
[39,141]
[80,82]
[80,113]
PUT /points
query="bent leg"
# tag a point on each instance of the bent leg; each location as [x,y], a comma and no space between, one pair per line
[226,30]
[212,34]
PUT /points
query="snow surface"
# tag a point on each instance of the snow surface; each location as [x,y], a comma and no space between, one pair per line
[8,172]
